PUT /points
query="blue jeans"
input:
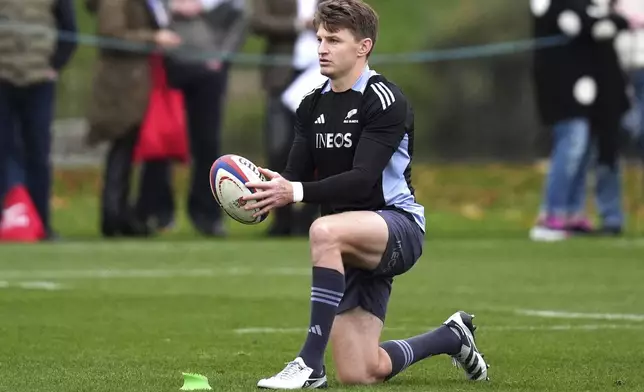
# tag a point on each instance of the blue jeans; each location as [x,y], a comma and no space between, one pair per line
[608,187]
[26,114]
[574,150]
[565,184]
[608,194]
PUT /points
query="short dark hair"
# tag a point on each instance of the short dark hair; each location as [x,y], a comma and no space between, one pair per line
[353,15]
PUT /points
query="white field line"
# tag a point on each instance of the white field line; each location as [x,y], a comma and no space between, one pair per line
[509,328]
[150,273]
[32,285]
[579,315]
[40,285]
[83,247]
[635,242]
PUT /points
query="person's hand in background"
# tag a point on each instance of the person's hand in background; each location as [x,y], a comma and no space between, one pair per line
[214,65]
[636,22]
[52,74]
[167,39]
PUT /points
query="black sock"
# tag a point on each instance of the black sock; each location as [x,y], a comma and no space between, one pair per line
[326,293]
[404,353]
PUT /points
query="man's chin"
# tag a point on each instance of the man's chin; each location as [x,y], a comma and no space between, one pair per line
[326,71]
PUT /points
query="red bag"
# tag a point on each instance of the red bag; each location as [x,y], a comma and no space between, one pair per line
[20,221]
[163,133]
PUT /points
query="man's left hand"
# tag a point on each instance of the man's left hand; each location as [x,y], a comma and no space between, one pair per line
[275,193]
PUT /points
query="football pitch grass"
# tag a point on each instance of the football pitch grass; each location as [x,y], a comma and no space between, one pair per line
[131,316]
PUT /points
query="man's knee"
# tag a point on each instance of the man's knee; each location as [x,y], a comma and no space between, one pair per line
[322,234]
[356,353]
[366,374]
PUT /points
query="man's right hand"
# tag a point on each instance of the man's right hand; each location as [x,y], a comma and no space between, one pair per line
[167,39]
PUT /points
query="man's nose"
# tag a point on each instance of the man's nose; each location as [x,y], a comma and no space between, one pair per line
[322,48]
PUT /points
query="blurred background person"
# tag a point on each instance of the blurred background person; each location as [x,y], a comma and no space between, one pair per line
[581,95]
[31,58]
[287,29]
[630,46]
[605,152]
[205,27]
[13,163]
[120,96]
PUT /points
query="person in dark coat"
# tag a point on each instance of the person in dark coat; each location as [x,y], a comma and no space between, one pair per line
[120,95]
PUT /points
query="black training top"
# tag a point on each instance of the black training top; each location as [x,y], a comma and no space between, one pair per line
[353,150]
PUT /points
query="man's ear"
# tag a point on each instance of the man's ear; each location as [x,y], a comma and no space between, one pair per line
[365,46]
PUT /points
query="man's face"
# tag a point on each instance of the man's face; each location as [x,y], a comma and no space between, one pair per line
[338,52]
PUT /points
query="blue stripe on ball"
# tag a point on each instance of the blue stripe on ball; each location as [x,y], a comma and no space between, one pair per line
[230,169]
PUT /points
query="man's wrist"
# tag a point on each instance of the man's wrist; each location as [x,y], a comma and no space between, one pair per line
[298,192]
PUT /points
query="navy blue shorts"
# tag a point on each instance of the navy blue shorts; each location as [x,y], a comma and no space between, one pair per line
[371,290]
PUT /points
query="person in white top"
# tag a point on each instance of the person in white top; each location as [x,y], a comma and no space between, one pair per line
[206,27]
[286,27]
[630,49]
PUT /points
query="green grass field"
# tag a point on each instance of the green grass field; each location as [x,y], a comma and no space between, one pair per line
[131,316]
[92,315]
[87,314]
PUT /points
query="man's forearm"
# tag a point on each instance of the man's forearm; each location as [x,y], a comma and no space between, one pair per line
[352,185]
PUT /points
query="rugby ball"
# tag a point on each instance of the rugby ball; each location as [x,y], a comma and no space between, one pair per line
[228,176]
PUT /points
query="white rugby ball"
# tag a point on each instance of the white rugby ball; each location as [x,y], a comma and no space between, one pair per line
[228,176]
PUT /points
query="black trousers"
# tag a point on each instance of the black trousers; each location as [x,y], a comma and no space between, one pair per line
[606,133]
[117,216]
[278,139]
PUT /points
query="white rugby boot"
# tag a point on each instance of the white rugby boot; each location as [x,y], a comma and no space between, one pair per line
[296,375]
[469,358]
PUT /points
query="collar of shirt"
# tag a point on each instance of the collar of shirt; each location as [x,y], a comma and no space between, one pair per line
[359,85]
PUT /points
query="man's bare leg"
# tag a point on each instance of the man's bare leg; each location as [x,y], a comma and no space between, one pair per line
[361,360]
[354,343]
[356,239]
[359,240]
